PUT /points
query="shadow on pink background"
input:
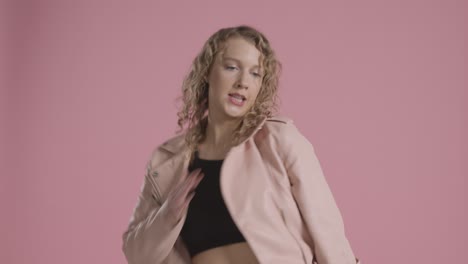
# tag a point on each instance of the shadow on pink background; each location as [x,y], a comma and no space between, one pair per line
[379,88]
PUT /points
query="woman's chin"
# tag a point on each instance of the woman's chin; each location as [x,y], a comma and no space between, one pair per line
[233,115]
[234,112]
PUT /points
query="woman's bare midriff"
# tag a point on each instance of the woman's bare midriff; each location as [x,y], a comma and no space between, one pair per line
[229,254]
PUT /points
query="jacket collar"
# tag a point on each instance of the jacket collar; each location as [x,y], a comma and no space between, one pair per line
[177,144]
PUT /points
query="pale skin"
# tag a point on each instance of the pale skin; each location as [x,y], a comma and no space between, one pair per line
[236,69]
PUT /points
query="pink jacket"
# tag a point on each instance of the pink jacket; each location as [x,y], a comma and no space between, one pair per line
[274,188]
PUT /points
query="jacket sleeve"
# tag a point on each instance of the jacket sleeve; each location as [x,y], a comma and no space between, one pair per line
[149,238]
[315,200]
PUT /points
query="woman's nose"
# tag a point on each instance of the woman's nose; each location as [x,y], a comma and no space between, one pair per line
[242,85]
[242,82]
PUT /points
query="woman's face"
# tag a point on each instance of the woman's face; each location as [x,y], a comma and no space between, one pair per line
[234,80]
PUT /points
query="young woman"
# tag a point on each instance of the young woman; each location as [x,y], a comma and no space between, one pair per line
[239,185]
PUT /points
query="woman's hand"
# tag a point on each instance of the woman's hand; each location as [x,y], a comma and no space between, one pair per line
[179,197]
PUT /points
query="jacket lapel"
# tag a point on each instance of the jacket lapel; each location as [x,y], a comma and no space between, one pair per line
[172,170]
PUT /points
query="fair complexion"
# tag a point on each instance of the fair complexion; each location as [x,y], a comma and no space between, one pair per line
[235,73]
[235,70]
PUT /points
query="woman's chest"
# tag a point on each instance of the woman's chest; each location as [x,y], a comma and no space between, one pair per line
[253,186]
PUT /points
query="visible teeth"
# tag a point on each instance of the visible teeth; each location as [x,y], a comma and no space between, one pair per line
[237,99]
[237,96]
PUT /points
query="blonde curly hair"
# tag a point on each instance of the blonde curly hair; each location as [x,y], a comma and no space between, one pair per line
[195,87]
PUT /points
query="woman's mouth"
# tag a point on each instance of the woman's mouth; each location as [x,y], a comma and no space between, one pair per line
[237,99]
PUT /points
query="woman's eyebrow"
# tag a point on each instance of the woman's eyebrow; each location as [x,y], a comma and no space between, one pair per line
[237,60]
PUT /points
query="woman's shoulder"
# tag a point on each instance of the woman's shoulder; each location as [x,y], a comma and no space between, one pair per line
[163,151]
[284,131]
[280,119]
[174,143]
[280,125]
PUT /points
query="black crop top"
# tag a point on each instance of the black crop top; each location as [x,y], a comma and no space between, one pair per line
[208,223]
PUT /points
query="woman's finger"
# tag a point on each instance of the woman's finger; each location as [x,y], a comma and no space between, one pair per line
[190,192]
[180,197]
[193,184]
[181,187]
[190,183]
[197,181]
[186,203]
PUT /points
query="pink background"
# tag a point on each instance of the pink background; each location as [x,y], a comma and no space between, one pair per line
[379,88]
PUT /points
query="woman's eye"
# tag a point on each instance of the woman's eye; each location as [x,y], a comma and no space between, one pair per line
[257,74]
[230,67]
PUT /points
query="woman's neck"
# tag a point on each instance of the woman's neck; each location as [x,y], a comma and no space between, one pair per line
[219,136]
